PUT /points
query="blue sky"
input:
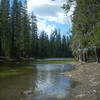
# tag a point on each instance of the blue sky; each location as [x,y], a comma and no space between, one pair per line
[64,28]
[50,15]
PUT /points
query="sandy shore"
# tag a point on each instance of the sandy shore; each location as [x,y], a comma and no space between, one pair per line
[87,81]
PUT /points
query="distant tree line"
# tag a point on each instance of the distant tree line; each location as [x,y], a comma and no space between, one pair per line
[19,34]
[86,28]
[53,46]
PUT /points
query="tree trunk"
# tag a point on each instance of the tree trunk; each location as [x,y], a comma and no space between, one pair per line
[0,47]
[97,51]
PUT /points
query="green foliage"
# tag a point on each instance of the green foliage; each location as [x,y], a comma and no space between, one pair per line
[55,46]
[4,28]
[15,29]
[19,34]
[34,36]
[86,25]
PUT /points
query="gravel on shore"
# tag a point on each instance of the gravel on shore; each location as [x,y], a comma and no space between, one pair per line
[87,81]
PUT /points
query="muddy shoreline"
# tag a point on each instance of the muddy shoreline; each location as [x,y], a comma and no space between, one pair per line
[87,81]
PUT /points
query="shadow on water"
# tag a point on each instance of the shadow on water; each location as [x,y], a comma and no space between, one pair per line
[43,82]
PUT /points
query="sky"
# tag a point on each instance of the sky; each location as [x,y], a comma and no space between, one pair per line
[50,15]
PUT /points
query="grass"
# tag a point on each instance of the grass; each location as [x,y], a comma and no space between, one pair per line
[9,71]
[66,61]
[18,70]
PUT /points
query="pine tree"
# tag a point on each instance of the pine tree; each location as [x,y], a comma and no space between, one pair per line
[26,28]
[64,46]
[15,29]
[4,28]
[52,45]
[0,32]
[34,51]
[43,45]
[86,27]
[58,44]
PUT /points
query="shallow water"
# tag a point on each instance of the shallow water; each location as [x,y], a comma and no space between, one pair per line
[43,82]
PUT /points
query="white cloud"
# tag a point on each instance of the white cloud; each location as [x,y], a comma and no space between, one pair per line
[32,3]
[70,13]
[49,10]
[42,25]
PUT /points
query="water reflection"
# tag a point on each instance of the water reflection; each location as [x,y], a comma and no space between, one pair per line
[44,82]
[50,84]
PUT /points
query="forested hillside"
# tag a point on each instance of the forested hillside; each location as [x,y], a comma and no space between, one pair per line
[19,36]
[85,28]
